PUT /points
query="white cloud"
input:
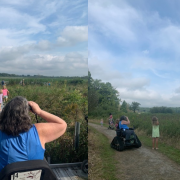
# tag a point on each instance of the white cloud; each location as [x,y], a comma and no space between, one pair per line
[142,51]
[47,64]
[113,22]
[72,35]
[43,37]
[177,90]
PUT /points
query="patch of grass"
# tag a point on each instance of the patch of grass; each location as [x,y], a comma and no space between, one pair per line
[98,122]
[169,151]
[101,158]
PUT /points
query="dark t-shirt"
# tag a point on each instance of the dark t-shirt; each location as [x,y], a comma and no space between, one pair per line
[2,82]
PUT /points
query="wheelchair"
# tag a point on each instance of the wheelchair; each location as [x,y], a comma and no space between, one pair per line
[125,138]
[32,169]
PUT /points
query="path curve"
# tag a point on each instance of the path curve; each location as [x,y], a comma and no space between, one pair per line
[142,163]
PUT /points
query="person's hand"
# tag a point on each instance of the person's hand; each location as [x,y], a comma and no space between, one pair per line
[35,107]
[127,118]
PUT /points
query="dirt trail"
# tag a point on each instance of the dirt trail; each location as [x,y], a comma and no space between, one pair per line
[142,163]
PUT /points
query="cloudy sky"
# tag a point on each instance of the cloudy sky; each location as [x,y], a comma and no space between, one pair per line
[135,45]
[44,37]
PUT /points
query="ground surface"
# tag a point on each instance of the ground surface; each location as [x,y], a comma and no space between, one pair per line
[141,163]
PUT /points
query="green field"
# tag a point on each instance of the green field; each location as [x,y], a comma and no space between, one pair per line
[66,98]
[169,125]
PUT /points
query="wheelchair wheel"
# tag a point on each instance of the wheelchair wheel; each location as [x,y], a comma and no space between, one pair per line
[138,142]
[84,166]
[120,144]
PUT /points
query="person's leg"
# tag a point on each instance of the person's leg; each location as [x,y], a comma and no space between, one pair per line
[156,142]
[153,143]
[0,106]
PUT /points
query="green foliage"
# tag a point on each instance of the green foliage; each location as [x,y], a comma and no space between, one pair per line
[108,161]
[169,123]
[169,151]
[102,97]
[161,110]
[124,107]
[134,106]
[66,100]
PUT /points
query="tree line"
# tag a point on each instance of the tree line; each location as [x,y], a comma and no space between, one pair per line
[103,99]
[161,110]
[41,76]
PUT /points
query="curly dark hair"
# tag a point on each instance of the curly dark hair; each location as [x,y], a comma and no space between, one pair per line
[14,118]
[123,118]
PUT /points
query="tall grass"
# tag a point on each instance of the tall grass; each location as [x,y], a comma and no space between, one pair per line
[67,101]
[169,125]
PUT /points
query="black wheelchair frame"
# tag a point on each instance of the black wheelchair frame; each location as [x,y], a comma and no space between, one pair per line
[124,139]
[12,171]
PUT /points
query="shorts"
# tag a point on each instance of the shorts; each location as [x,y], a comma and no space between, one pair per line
[5,96]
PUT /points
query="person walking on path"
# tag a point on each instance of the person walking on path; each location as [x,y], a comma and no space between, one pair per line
[1,99]
[110,119]
[101,122]
[5,93]
[155,132]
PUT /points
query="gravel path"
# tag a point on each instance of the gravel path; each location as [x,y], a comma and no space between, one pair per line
[142,163]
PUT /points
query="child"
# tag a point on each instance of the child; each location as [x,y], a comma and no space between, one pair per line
[155,132]
[5,93]
[1,98]
[110,120]
[110,116]
[117,124]
[101,122]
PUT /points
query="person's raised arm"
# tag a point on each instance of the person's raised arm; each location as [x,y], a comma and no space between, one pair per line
[50,131]
[125,122]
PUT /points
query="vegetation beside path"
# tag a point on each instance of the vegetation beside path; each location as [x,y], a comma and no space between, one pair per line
[65,98]
[172,152]
[168,150]
[101,164]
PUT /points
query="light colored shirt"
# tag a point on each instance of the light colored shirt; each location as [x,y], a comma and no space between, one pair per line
[1,98]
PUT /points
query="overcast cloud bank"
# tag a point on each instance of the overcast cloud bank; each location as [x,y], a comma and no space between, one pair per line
[135,47]
[47,38]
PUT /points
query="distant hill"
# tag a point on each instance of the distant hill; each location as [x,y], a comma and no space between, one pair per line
[147,109]
[144,109]
[41,76]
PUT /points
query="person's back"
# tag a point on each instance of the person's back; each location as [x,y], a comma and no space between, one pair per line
[26,146]
[123,126]
[123,122]
[155,131]
[20,140]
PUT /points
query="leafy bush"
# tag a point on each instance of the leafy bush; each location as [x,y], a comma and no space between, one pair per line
[62,99]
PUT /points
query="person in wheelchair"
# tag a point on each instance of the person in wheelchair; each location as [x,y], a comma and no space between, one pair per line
[126,136]
[20,140]
[124,121]
[125,130]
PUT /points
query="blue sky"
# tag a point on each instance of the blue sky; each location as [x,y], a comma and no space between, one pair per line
[44,37]
[135,45]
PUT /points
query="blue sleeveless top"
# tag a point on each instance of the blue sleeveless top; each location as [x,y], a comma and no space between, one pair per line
[26,146]
[123,126]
